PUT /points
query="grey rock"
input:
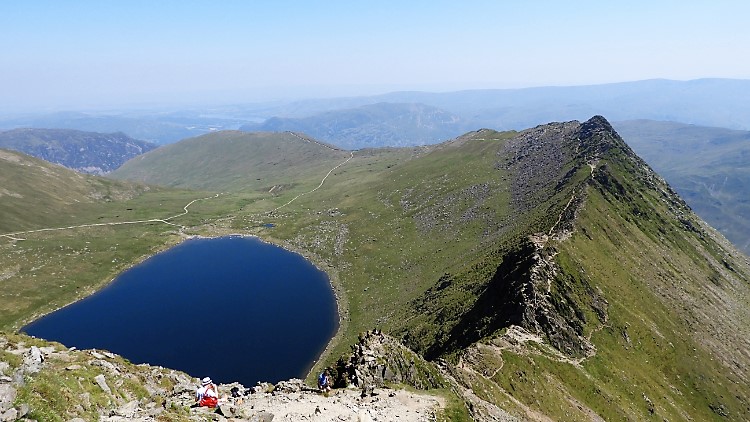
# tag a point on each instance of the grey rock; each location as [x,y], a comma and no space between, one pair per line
[7,396]
[9,415]
[262,416]
[47,350]
[4,367]
[23,410]
[96,354]
[107,365]
[128,410]
[73,367]
[85,400]
[102,383]
[32,361]
[294,385]
[76,420]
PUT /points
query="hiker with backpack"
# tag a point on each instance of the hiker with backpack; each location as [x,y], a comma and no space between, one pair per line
[324,381]
[207,394]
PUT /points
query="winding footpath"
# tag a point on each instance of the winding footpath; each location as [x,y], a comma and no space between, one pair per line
[351,155]
[318,187]
[12,236]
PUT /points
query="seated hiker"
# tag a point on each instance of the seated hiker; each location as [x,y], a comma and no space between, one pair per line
[207,395]
[324,381]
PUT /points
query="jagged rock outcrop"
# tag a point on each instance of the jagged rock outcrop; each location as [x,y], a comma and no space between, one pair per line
[378,359]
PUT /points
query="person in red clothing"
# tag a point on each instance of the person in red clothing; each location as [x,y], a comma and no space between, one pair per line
[207,395]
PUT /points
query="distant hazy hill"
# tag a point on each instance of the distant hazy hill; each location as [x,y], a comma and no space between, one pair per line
[154,126]
[375,125]
[708,102]
[708,166]
[88,152]
[234,160]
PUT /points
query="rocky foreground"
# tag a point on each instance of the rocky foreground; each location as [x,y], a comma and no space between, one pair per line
[47,381]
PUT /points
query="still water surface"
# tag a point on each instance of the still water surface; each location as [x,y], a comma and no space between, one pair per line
[232,308]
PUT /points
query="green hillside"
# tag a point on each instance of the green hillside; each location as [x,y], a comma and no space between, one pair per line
[550,272]
[560,230]
[708,166]
[38,194]
[235,161]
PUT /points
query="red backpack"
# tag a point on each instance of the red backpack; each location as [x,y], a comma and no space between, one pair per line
[209,401]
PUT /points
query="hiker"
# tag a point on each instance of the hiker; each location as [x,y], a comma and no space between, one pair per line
[324,381]
[207,395]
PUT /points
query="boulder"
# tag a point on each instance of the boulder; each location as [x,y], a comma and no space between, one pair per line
[32,360]
[7,396]
[99,379]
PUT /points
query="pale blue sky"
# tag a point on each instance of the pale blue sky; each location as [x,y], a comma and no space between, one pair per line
[92,53]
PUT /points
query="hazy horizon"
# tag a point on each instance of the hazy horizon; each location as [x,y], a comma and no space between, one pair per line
[60,56]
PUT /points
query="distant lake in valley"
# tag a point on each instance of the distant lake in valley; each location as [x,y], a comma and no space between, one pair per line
[232,308]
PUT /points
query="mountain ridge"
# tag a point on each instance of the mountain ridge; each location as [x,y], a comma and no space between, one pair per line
[549,272]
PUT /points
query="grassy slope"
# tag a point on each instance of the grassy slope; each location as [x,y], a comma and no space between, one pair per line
[38,194]
[391,224]
[235,161]
[677,315]
[406,229]
[709,167]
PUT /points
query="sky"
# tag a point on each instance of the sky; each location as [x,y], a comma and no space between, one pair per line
[73,54]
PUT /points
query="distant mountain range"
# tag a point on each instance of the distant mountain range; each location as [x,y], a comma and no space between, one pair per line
[87,152]
[150,125]
[374,125]
[707,102]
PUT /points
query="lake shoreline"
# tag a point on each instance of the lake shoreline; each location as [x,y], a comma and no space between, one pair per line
[272,268]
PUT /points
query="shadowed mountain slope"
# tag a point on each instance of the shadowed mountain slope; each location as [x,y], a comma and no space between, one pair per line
[87,152]
[709,167]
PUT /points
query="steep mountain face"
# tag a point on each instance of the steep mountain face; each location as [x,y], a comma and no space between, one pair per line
[621,305]
[709,167]
[87,152]
[374,125]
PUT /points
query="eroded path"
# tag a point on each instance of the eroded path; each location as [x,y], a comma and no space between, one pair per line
[14,236]
[316,188]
